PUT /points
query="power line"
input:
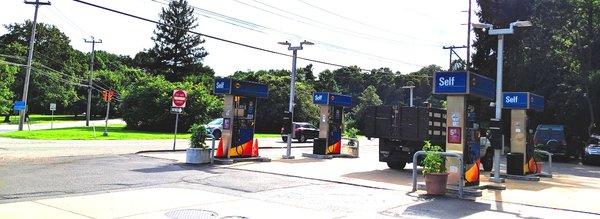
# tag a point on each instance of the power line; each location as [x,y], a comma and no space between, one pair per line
[209,36]
[326,44]
[360,22]
[330,27]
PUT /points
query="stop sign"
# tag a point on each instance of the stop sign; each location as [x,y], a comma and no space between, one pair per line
[179,98]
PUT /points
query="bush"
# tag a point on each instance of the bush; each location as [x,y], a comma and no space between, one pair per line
[147,104]
[198,138]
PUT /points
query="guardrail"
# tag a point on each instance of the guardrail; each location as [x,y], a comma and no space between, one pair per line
[461,183]
[549,160]
[357,144]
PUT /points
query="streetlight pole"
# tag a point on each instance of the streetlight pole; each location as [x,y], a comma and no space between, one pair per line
[411,93]
[23,112]
[294,49]
[500,33]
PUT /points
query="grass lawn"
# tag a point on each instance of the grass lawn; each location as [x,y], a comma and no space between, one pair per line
[33,119]
[115,132]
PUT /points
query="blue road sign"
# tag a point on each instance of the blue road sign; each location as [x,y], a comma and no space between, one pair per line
[19,105]
[522,100]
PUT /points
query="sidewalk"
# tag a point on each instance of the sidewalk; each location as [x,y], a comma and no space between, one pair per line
[154,203]
[567,190]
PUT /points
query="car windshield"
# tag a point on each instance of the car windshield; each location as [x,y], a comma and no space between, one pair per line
[216,121]
[546,135]
[308,126]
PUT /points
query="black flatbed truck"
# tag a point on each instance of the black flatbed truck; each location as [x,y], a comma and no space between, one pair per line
[402,131]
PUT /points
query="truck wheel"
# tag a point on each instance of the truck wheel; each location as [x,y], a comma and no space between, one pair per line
[302,138]
[488,161]
[396,165]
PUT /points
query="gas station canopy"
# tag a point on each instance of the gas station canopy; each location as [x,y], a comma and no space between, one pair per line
[522,100]
[240,88]
[331,99]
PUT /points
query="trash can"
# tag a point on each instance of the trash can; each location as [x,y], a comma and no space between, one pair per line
[319,146]
[514,164]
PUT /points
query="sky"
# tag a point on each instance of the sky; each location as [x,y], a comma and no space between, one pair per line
[399,34]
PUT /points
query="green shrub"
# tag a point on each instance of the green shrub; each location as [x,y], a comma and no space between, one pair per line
[147,103]
[434,161]
[199,135]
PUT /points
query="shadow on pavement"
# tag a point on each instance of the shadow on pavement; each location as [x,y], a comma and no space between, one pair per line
[398,177]
[441,207]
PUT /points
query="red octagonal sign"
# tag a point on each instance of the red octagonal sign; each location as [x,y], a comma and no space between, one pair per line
[179,98]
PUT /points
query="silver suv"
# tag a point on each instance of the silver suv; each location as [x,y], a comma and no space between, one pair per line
[215,127]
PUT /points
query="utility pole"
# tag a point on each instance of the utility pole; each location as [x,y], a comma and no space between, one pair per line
[469,36]
[23,112]
[294,50]
[89,99]
[452,48]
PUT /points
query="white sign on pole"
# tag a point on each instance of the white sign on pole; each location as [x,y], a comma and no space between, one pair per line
[53,107]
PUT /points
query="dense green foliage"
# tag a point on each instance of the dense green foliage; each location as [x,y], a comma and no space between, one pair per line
[147,105]
[7,74]
[198,137]
[558,57]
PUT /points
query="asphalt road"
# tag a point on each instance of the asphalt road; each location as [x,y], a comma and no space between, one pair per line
[67,176]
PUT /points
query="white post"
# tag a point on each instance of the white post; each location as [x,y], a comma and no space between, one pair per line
[52,120]
[496,177]
[288,154]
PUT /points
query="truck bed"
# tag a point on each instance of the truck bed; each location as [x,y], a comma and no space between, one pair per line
[403,123]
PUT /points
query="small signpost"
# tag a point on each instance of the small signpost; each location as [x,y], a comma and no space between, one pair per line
[20,106]
[107,96]
[178,102]
[52,109]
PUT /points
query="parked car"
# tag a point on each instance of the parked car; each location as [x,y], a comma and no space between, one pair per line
[302,132]
[552,138]
[215,127]
[592,151]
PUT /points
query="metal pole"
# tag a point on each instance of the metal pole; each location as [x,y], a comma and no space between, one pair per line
[288,154]
[212,151]
[469,37]
[411,97]
[106,120]
[52,121]
[175,136]
[496,177]
[450,61]
[29,61]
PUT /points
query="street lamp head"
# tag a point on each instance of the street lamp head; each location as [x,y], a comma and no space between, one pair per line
[286,43]
[522,23]
[306,43]
[481,25]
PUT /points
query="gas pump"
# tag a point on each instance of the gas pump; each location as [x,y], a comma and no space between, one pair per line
[239,116]
[463,89]
[522,105]
[331,121]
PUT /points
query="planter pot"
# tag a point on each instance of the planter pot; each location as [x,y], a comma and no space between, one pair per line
[435,183]
[197,156]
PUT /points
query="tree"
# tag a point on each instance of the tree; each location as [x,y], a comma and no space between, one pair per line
[7,74]
[368,97]
[176,49]
[57,67]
